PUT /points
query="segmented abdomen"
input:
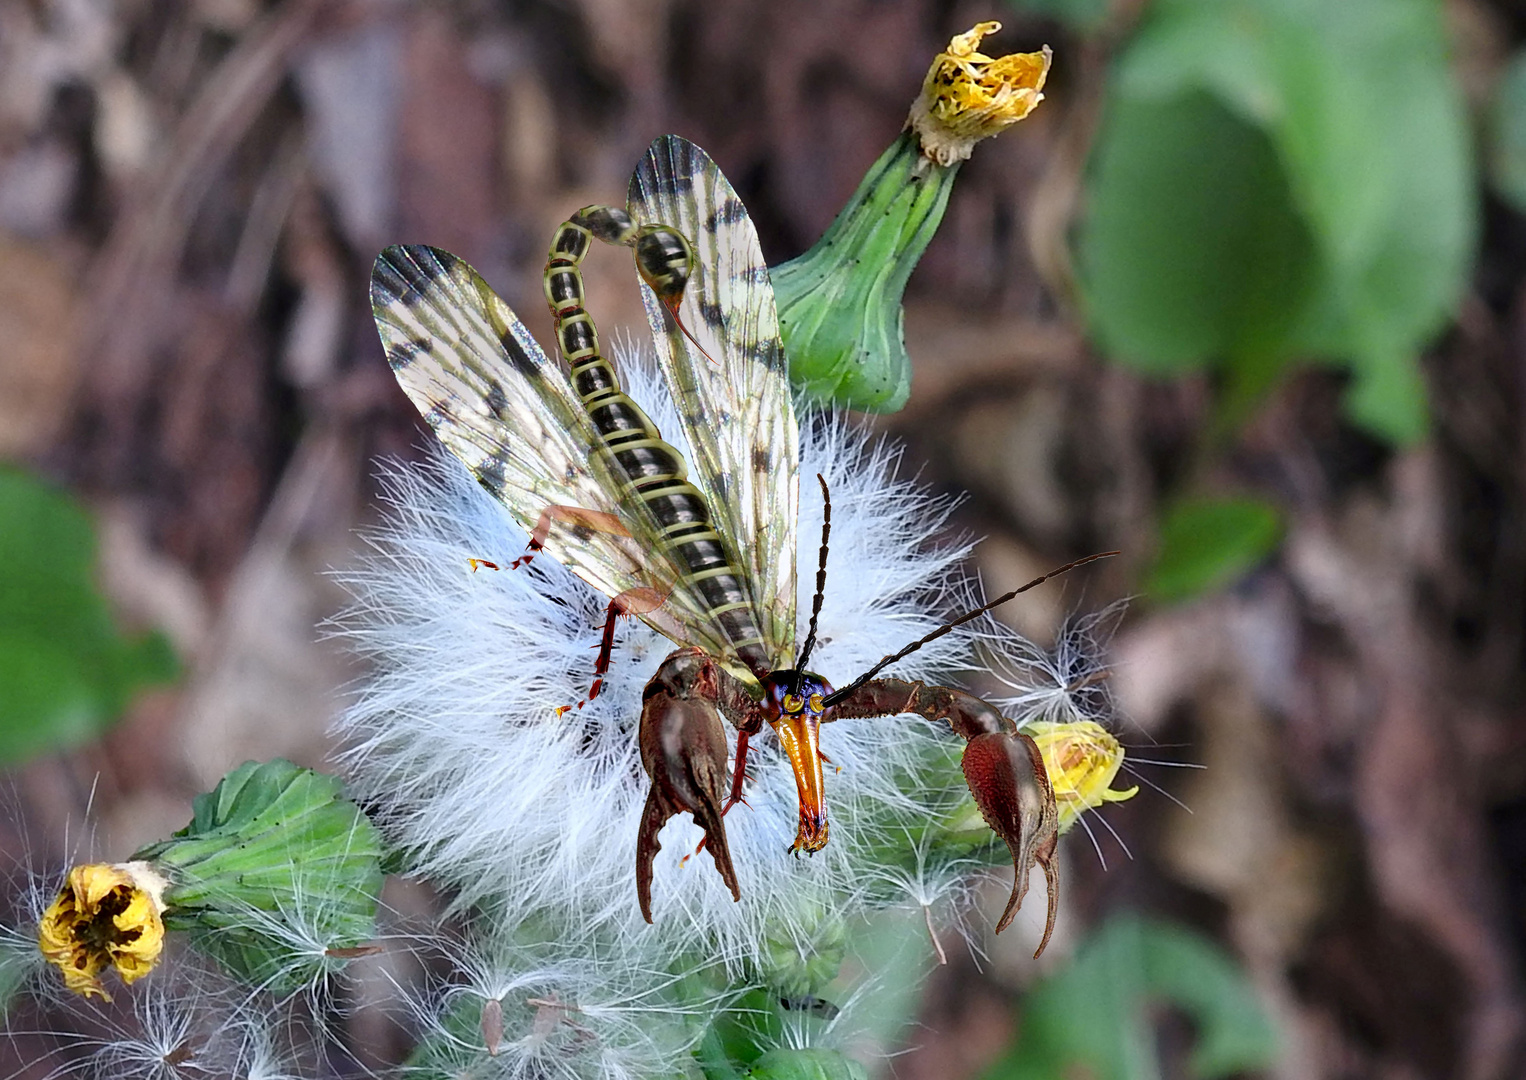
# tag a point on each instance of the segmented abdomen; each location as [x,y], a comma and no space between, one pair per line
[655,471]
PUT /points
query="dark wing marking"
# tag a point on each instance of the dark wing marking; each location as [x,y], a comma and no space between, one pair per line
[508,413]
[737,412]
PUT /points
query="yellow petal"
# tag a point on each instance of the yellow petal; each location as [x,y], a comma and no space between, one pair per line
[1082,759]
[106,915]
[968,96]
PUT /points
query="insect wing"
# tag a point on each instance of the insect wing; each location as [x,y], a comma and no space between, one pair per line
[734,403]
[508,413]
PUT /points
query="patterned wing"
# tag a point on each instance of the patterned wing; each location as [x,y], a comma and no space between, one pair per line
[735,406]
[508,413]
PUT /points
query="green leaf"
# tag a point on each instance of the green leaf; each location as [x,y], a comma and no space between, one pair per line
[66,671]
[1208,543]
[1091,1019]
[1507,134]
[1280,181]
[1193,250]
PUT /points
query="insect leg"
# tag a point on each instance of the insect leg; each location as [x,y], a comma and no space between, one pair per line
[572,516]
[1003,768]
[739,775]
[683,749]
[636,601]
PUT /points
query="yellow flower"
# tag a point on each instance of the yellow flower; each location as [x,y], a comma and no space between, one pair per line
[968,96]
[1082,759]
[106,915]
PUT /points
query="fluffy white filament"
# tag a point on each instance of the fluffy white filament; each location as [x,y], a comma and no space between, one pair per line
[530,817]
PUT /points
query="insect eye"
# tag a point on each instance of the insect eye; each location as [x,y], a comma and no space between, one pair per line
[792,704]
[816,705]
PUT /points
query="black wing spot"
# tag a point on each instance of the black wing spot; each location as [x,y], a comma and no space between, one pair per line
[435,261]
[713,314]
[765,351]
[497,399]
[403,353]
[730,212]
[391,284]
[403,271]
[520,357]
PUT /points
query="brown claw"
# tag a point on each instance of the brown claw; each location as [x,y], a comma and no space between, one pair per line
[683,749]
[1007,777]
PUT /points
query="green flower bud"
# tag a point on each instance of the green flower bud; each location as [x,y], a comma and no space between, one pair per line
[276,877]
[840,303]
[797,967]
[786,1064]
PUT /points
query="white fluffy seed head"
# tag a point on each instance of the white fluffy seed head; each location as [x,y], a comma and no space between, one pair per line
[532,815]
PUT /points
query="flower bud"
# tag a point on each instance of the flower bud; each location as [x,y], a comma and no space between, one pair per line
[840,303]
[106,916]
[276,877]
[797,966]
[1082,758]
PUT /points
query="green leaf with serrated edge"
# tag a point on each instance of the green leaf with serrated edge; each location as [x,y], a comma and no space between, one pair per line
[275,873]
[1208,543]
[1091,1018]
[1366,124]
[66,670]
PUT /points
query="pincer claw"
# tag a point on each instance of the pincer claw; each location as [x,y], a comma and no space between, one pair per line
[683,749]
[1011,787]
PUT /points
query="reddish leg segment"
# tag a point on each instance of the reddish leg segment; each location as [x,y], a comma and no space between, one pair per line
[738,775]
[1004,770]
[575,516]
[631,602]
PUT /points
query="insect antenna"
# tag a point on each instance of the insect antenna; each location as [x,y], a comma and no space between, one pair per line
[821,584]
[838,695]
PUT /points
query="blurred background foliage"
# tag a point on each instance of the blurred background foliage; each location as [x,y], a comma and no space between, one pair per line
[1246,297]
[66,671]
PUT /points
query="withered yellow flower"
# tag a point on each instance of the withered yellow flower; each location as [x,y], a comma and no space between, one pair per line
[968,96]
[1082,760]
[106,916]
